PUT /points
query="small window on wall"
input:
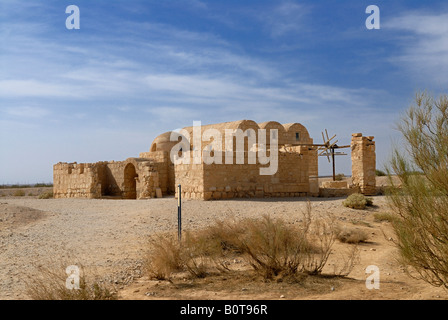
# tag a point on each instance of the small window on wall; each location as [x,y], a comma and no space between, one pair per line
[297,136]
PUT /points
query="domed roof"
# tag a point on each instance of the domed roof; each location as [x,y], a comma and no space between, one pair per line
[163,142]
[292,129]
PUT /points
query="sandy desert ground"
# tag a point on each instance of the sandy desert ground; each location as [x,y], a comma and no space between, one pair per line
[111,238]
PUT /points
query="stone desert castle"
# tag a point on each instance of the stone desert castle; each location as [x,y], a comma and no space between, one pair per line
[155,174]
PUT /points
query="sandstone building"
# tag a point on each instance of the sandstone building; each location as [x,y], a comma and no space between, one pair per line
[155,173]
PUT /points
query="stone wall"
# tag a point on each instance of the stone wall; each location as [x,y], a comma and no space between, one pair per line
[153,174]
[225,181]
[162,163]
[135,178]
[73,180]
[191,178]
[363,163]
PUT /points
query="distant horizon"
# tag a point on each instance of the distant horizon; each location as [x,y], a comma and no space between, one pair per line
[32,185]
[105,88]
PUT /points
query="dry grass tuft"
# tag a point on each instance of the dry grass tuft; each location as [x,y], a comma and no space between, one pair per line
[351,235]
[46,195]
[19,193]
[50,283]
[270,247]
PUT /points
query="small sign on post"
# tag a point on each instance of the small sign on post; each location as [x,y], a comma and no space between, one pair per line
[179,213]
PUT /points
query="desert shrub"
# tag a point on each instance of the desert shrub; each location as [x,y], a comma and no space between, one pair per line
[420,201]
[357,201]
[271,247]
[19,193]
[46,195]
[351,235]
[165,256]
[380,173]
[339,177]
[50,284]
[384,216]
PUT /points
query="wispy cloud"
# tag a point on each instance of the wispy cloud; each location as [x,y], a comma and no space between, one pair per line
[34,88]
[286,18]
[424,40]
[26,112]
[135,70]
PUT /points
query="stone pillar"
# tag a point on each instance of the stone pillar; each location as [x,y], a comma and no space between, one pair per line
[363,163]
[313,172]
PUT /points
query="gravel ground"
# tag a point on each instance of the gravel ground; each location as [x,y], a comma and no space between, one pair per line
[110,236]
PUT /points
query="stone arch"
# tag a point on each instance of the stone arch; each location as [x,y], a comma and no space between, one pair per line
[130,183]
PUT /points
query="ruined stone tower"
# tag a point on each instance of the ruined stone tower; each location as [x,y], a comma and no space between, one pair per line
[363,163]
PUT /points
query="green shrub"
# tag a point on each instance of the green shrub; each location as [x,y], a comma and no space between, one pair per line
[357,201]
[420,198]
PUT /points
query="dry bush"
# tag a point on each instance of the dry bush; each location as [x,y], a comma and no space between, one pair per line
[357,201]
[165,256]
[384,216]
[346,261]
[272,247]
[19,193]
[215,245]
[46,195]
[49,283]
[351,235]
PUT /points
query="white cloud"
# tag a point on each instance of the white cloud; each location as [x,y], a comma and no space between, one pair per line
[425,46]
[286,18]
[34,88]
[27,112]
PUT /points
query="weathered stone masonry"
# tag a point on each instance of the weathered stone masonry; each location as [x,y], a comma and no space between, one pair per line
[153,174]
[363,163]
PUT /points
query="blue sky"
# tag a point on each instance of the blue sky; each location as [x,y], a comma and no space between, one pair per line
[136,69]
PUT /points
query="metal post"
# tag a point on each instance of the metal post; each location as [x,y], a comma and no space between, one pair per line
[334,165]
[179,213]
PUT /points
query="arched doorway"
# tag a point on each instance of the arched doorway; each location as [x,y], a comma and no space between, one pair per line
[130,184]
